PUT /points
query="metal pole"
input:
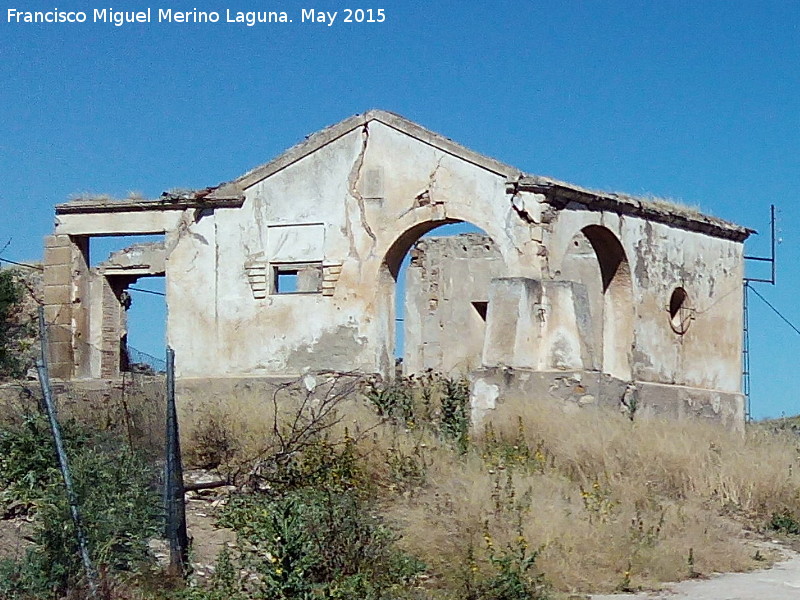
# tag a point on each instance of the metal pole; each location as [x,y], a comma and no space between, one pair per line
[772,232]
[175,507]
[746,355]
[72,499]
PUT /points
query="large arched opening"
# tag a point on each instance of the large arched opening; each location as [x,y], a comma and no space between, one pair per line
[438,274]
[596,259]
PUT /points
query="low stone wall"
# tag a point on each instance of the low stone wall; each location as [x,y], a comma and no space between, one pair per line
[491,386]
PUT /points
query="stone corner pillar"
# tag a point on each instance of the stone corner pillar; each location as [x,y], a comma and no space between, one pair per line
[65,268]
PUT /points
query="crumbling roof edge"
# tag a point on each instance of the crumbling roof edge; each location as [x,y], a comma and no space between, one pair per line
[559,194]
[202,199]
[325,136]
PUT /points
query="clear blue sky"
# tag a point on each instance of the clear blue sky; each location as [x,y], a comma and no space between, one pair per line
[697,101]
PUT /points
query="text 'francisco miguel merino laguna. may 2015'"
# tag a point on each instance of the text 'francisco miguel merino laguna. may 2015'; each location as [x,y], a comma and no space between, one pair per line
[119,18]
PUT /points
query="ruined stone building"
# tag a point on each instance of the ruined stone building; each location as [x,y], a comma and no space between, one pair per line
[293,266]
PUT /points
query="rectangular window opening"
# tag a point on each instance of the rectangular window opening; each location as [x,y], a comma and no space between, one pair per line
[303,278]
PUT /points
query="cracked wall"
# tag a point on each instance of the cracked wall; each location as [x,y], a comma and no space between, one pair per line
[358,198]
[662,258]
[293,267]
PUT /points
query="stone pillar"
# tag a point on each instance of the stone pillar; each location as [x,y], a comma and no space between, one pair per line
[58,303]
[113,325]
[538,325]
[65,290]
[514,325]
[80,307]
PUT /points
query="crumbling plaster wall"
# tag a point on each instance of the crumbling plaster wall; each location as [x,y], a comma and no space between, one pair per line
[574,319]
[662,258]
[86,301]
[446,297]
[345,212]
[368,195]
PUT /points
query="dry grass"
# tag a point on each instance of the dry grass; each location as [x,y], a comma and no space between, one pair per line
[606,503]
[609,504]
[673,206]
[233,433]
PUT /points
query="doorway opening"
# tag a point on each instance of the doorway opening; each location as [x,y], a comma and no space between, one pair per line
[128,316]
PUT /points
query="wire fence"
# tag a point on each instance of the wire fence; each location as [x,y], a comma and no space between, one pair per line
[130,403]
[142,362]
[137,408]
[132,407]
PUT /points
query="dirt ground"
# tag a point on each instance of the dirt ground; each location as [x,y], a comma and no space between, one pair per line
[13,537]
[208,540]
[779,582]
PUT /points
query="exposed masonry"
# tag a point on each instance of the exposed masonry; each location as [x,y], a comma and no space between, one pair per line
[257,276]
[330,275]
[587,296]
[446,301]
[139,259]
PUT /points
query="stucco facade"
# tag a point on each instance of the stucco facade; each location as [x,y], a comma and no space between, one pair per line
[293,266]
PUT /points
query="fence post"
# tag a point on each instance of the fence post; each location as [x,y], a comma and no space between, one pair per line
[174,505]
[72,499]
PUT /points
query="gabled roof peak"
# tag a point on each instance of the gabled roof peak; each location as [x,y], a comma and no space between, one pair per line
[557,193]
[331,133]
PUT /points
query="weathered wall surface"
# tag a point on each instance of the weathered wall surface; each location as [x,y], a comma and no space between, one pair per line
[586,389]
[292,267]
[607,305]
[622,326]
[446,299]
[537,325]
[354,207]
[660,259]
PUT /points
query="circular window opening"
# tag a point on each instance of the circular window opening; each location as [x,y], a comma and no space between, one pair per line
[680,315]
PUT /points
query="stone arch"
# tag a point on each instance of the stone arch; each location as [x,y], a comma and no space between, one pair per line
[393,256]
[597,259]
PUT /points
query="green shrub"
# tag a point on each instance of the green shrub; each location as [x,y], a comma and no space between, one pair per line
[455,412]
[321,463]
[14,327]
[315,542]
[310,532]
[393,399]
[28,465]
[511,572]
[439,403]
[785,522]
[514,577]
[119,506]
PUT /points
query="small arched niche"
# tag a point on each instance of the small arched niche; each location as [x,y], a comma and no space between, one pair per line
[680,313]
[595,258]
